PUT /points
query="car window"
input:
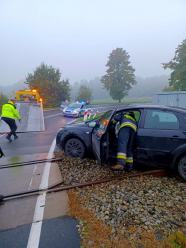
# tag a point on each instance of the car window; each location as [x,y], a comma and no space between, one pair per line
[103,122]
[137,114]
[75,105]
[158,119]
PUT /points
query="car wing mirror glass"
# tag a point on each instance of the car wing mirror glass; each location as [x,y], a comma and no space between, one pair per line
[92,124]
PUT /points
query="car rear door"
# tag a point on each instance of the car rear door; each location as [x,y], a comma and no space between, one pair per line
[99,135]
[158,137]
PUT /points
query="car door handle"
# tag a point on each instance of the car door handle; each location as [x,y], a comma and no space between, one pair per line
[175,136]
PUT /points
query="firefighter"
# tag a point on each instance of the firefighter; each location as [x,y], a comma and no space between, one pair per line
[126,134]
[9,115]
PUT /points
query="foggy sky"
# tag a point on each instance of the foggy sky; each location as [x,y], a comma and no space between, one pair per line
[77,36]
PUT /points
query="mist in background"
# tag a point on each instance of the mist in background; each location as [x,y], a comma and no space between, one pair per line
[78,36]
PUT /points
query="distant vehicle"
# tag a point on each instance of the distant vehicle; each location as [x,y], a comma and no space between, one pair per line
[28,95]
[63,105]
[73,109]
[160,140]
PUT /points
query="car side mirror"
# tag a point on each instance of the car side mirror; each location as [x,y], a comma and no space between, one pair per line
[92,124]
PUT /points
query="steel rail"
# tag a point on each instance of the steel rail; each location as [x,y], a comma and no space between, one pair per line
[54,188]
[40,161]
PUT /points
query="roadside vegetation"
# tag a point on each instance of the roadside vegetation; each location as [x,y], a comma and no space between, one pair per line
[119,77]
[47,81]
[177,65]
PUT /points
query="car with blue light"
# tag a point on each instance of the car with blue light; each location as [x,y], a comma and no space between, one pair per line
[73,109]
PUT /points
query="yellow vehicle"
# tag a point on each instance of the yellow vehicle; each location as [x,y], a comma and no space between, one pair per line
[28,96]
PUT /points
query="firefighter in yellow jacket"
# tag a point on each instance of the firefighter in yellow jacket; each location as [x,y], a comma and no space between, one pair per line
[9,115]
[127,130]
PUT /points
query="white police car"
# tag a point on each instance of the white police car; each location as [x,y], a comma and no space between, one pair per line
[73,109]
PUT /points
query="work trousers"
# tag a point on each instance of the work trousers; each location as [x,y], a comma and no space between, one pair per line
[1,152]
[12,124]
[125,146]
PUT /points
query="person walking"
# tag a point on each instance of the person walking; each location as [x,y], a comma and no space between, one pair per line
[1,153]
[127,130]
[9,115]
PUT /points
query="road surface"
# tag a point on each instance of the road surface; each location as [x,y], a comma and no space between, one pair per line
[36,221]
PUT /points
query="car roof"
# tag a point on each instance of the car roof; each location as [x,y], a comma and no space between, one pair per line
[145,106]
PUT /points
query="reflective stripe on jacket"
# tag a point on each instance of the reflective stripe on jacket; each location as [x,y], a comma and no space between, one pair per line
[10,111]
[128,121]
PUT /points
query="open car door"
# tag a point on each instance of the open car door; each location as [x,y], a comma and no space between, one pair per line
[100,137]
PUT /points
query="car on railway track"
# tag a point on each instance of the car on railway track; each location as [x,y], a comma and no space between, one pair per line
[160,139]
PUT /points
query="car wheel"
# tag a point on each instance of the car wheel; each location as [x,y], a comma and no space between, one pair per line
[182,167]
[75,148]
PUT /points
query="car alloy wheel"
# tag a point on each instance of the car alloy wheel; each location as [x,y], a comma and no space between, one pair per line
[182,167]
[74,148]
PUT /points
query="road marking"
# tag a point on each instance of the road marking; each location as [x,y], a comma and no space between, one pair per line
[35,232]
[33,174]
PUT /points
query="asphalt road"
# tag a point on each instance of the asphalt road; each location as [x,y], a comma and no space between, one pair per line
[17,216]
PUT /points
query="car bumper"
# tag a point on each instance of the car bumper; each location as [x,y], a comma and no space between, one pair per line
[68,114]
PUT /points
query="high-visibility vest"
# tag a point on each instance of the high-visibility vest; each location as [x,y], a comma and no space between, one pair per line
[9,110]
[128,121]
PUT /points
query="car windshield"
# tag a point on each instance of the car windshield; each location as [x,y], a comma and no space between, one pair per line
[75,105]
[86,107]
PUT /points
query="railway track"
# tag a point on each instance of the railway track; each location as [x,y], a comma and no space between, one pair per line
[61,187]
[31,162]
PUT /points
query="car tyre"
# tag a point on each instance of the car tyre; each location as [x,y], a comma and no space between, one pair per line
[74,148]
[182,167]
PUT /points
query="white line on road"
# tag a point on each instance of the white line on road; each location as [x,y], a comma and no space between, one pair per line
[35,232]
[33,174]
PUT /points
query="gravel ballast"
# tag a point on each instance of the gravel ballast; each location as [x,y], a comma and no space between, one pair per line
[132,205]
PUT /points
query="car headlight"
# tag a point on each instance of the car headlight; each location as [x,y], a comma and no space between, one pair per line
[76,111]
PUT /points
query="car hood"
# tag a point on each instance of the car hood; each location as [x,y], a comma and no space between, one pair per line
[69,109]
[81,125]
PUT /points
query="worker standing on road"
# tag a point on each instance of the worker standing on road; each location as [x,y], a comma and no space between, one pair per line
[9,115]
[127,130]
[1,153]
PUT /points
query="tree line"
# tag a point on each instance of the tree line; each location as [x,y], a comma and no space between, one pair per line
[118,79]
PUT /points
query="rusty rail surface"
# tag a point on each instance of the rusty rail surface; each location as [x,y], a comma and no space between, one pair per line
[54,188]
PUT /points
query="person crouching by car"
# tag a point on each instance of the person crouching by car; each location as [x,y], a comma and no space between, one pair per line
[9,115]
[127,130]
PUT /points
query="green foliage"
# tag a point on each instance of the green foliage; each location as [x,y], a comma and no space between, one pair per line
[178,66]
[84,93]
[120,74]
[168,89]
[176,240]
[47,80]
